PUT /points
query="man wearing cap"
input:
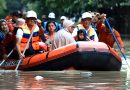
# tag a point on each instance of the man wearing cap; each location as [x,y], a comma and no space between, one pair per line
[51,17]
[86,25]
[24,32]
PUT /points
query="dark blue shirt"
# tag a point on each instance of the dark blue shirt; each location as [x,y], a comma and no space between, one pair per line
[2,36]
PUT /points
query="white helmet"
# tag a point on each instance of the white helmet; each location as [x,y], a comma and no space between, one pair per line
[63,18]
[51,15]
[86,15]
[31,13]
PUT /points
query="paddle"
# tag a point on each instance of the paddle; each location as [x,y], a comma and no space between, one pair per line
[25,47]
[7,57]
[116,40]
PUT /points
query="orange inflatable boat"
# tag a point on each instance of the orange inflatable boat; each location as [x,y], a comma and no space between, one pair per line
[94,56]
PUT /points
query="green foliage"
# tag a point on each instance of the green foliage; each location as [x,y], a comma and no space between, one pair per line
[2,8]
[69,8]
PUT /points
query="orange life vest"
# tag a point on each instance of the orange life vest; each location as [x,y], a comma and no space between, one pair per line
[34,40]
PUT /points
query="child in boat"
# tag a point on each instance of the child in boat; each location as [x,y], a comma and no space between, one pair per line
[81,35]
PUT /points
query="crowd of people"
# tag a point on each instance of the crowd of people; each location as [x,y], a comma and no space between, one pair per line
[28,35]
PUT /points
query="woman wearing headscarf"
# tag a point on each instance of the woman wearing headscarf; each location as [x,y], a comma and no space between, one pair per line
[64,36]
[7,39]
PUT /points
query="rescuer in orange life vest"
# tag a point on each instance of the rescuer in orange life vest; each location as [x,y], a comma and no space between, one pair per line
[23,35]
[85,24]
[105,35]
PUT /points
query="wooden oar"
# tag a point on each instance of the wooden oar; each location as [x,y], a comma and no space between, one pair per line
[25,48]
[7,57]
[116,41]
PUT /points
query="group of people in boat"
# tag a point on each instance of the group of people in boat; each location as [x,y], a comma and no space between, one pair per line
[28,35]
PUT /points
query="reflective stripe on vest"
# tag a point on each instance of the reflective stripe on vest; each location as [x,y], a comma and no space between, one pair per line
[34,40]
[89,33]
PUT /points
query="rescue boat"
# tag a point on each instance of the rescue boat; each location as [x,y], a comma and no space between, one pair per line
[91,56]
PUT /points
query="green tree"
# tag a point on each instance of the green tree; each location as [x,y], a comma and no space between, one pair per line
[3,8]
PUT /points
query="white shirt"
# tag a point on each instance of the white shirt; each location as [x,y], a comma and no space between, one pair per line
[19,33]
